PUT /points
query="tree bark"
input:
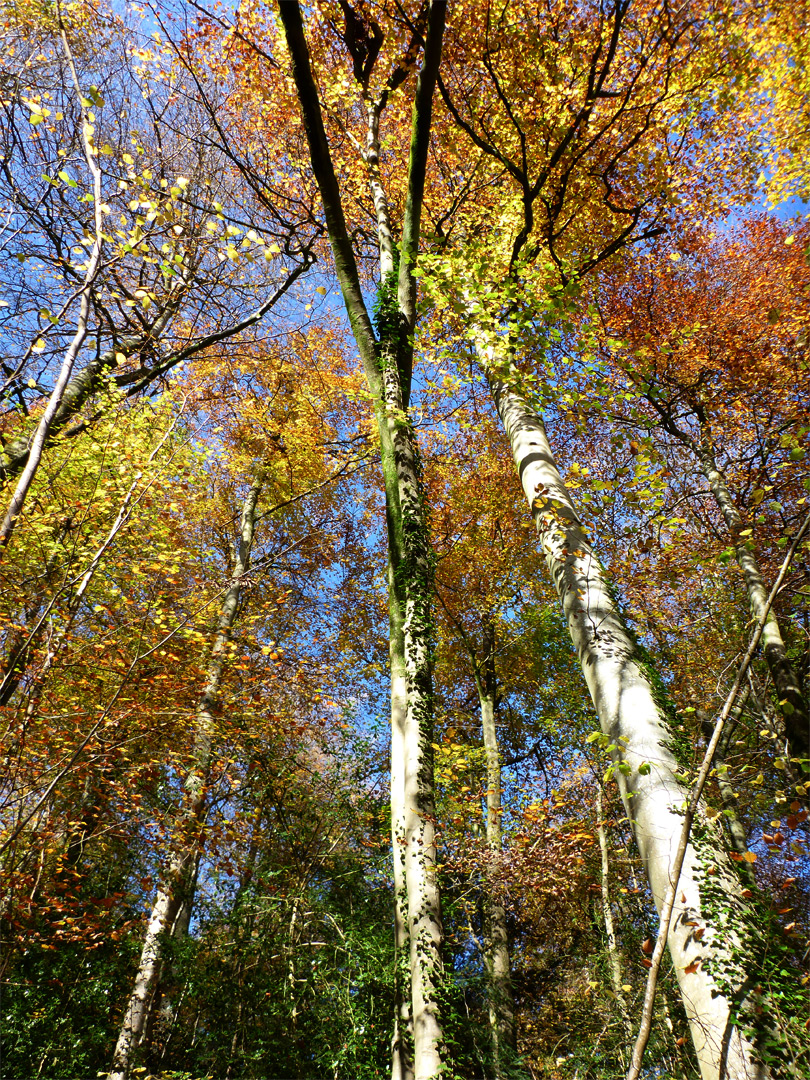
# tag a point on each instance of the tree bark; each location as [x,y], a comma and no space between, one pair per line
[386,363]
[402,1039]
[496,934]
[629,714]
[185,843]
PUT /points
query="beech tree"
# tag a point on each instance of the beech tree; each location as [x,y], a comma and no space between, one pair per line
[387,362]
[685,397]
[287,665]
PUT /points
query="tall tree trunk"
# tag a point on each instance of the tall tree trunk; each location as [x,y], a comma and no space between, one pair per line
[496,935]
[169,992]
[387,366]
[792,703]
[402,1040]
[185,843]
[412,568]
[620,685]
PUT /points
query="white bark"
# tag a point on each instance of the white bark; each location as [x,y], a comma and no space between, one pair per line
[402,1039]
[411,579]
[387,367]
[496,936]
[628,713]
[185,844]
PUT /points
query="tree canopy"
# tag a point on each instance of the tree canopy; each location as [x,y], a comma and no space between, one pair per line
[405,544]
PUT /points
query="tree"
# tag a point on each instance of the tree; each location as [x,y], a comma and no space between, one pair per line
[528,207]
[133,303]
[612,666]
[177,888]
[694,376]
[387,363]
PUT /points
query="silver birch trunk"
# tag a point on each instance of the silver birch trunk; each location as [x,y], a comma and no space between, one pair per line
[629,715]
[185,844]
[496,936]
[792,704]
[413,813]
